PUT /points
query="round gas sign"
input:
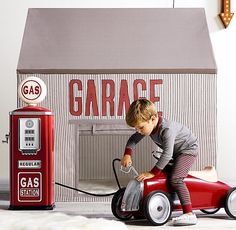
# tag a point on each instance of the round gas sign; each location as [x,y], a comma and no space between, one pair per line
[32,90]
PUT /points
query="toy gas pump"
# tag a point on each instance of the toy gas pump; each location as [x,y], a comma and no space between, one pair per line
[31,150]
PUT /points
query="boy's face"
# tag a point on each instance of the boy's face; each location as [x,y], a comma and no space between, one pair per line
[145,128]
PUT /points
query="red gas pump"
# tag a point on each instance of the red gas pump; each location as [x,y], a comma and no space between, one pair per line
[31,150]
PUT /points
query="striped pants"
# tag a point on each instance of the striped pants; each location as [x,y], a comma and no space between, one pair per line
[180,169]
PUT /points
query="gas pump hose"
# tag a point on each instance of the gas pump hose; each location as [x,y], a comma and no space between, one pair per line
[95,194]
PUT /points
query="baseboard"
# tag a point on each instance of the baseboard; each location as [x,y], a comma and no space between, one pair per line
[4,190]
[4,185]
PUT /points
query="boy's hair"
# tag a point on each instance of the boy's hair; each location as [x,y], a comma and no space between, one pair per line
[139,111]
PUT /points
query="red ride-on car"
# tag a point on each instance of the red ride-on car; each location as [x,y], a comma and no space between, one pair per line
[154,200]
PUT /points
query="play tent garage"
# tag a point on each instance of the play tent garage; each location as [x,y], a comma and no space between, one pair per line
[95,62]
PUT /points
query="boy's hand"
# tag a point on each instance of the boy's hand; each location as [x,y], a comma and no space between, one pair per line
[144,176]
[126,161]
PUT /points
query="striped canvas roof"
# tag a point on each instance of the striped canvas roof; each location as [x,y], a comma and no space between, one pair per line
[151,40]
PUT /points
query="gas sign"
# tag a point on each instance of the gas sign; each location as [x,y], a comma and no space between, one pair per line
[32,90]
[29,186]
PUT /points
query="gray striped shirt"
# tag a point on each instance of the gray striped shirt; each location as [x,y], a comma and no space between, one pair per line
[172,137]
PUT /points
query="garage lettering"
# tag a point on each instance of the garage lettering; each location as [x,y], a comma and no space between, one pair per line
[115,97]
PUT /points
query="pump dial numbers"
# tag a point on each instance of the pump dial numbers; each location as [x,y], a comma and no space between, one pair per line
[29,130]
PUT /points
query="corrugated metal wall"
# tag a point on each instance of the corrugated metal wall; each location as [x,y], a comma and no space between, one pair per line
[85,146]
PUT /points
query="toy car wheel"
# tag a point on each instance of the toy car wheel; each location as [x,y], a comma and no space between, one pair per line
[230,203]
[210,211]
[157,208]
[116,204]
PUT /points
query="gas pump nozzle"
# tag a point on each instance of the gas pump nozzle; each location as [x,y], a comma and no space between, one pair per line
[6,138]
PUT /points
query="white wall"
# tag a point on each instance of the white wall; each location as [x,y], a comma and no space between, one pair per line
[12,21]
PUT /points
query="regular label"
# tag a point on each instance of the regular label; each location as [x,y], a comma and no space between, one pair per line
[29,164]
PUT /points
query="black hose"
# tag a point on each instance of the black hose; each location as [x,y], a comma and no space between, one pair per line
[114,171]
[95,194]
[88,193]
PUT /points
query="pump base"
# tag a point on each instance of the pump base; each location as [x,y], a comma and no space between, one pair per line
[16,207]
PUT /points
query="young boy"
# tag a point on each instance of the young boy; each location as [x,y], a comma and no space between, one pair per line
[176,141]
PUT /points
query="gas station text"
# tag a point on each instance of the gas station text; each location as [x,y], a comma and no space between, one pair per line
[29,192]
[29,182]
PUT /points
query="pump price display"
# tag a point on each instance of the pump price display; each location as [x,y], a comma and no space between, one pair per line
[29,186]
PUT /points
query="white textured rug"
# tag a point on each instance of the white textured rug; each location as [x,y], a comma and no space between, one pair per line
[11,220]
